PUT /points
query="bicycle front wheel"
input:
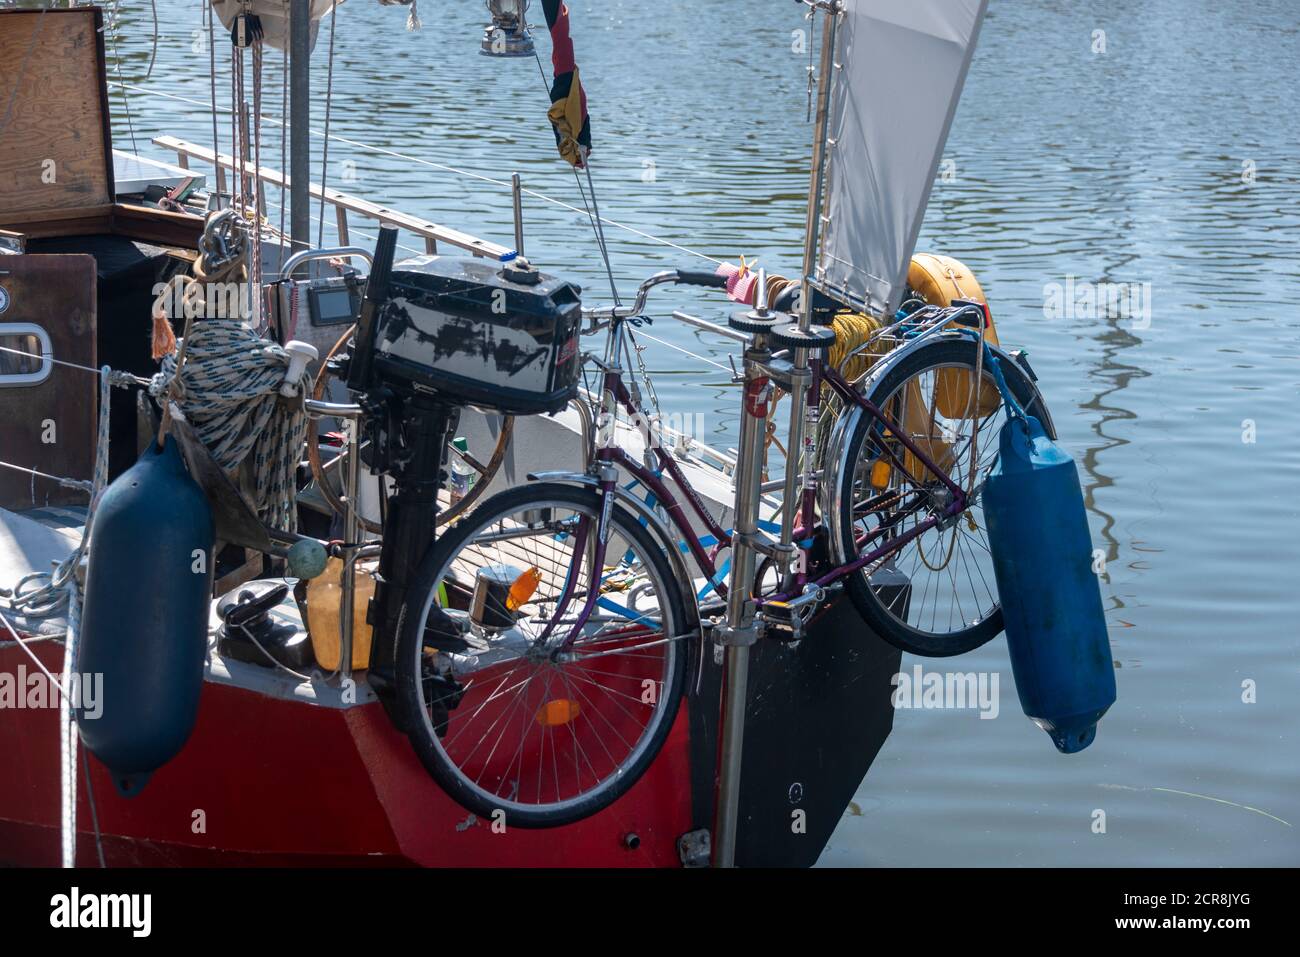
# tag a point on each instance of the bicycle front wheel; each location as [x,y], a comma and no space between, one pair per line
[518,701]
[934,594]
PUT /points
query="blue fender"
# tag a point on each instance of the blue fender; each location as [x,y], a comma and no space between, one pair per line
[1051,599]
[145,618]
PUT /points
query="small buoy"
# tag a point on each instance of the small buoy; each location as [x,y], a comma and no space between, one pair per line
[145,618]
[306,559]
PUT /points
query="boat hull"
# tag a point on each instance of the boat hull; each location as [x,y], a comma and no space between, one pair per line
[281,781]
[274,782]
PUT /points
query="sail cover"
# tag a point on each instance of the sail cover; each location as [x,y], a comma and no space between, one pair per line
[899,69]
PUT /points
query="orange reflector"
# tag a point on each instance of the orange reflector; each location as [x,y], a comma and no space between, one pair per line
[557,712]
[880,473]
[523,588]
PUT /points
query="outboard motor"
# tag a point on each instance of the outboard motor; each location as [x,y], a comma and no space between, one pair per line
[145,618]
[437,333]
[1051,602]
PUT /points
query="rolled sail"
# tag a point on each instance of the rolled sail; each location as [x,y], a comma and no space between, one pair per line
[899,70]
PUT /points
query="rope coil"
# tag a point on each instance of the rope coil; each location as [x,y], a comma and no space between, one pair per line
[229,392]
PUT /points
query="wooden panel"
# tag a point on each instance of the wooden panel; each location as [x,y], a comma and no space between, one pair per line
[158,226]
[58,294]
[55,152]
[143,223]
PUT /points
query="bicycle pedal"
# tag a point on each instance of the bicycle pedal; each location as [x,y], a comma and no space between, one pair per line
[782,622]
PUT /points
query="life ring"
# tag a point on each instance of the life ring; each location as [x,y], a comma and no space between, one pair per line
[939,280]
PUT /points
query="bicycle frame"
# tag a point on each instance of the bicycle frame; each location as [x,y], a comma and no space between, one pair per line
[609,458]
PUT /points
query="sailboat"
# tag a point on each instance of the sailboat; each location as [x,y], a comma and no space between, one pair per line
[283,767]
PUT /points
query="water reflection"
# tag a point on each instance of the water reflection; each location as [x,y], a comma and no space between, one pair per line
[1125,167]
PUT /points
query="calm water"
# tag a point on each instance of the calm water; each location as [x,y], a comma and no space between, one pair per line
[1169,159]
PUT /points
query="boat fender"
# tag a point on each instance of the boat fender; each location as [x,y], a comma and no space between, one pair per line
[145,617]
[1051,600]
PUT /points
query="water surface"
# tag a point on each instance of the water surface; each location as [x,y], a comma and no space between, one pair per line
[1168,159]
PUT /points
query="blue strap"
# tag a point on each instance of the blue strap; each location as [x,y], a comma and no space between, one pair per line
[991,360]
[623,612]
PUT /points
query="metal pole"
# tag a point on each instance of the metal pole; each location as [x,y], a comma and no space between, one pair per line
[812,228]
[795,469]
[517,193]
[300,122]
[740,630]
[736,690]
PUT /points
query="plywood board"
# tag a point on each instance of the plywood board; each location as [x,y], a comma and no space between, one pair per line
[55,149]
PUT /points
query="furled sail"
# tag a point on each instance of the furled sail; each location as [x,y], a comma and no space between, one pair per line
[899,67]
[272,16]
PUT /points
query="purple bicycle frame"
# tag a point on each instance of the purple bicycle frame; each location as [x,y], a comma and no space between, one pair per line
[613,455]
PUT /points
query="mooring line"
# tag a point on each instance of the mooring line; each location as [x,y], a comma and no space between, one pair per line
[1203,797]
[439,166]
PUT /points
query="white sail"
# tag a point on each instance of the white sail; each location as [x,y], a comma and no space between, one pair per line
[899,67]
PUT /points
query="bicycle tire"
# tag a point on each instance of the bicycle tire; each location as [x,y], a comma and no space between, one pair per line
[411,642]
[943,351]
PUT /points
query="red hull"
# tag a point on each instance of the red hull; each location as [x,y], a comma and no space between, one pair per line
[290,783]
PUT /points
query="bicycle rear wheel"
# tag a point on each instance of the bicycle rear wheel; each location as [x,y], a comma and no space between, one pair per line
[512,705]
[936,595]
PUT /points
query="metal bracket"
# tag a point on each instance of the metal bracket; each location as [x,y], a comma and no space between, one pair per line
[724,636]
[695,848]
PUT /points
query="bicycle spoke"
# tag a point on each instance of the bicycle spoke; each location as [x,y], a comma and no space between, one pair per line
[945,572]
[546,705]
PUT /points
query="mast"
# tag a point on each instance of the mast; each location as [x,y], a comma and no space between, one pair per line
[796,471]
[740,630]
[300,123]
[812,229]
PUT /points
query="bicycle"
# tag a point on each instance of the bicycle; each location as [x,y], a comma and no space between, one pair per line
[542,647]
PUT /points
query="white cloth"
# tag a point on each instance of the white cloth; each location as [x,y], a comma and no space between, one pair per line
[899,69]
[274,15]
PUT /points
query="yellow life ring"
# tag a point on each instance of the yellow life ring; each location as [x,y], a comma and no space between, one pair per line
[939,280]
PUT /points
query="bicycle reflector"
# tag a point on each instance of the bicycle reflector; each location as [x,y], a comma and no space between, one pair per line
[523,588]
[557,712]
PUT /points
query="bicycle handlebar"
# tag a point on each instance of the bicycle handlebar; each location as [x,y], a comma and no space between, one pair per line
[701,277]
[689,277]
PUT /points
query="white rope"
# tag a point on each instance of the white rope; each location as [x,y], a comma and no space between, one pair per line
[68,727]
[229,393]
[686,352]
[62,590]
[115,377]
